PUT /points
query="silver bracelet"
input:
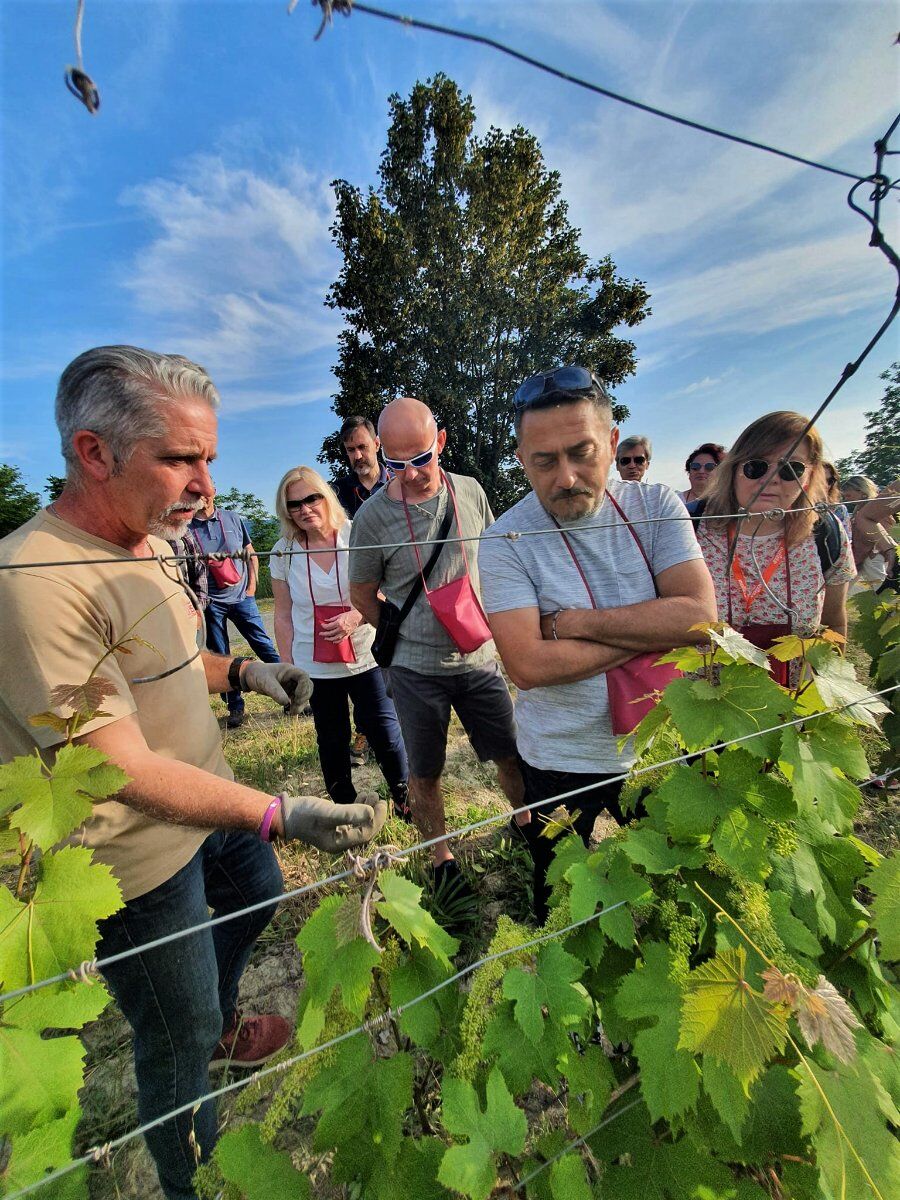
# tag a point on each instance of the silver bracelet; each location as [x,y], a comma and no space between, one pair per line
[553,625]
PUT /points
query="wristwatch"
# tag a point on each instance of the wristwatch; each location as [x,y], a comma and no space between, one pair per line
[234,673]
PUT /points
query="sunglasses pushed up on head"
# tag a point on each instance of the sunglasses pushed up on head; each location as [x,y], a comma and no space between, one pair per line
[561,379]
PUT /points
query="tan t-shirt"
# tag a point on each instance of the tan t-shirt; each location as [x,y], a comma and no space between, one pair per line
[55,624]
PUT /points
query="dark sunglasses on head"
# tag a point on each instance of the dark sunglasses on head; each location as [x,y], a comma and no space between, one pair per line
[638,460]
[790,472]
[699,466]
[563,379]
[312,498]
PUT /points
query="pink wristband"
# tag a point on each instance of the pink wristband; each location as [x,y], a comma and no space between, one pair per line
[265,824]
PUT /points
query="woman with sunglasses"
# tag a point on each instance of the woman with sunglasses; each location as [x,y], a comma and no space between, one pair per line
[700,465]
[783,569]
[316,628]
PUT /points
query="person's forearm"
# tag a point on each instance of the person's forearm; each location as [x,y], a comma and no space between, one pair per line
[216,668]
[284,638]
[364,598]
[566,661]
[650,625]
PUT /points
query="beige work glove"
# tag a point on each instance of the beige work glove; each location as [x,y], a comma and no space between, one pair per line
[282,682]
[329,826]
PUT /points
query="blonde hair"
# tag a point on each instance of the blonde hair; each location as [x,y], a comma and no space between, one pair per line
[335,515]
[761,440]
[863,484]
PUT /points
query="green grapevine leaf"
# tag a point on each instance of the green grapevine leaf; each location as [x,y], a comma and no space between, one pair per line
[548,986]
[856,1153]
[57,928]
[745,701]
[728,1095]
[257,1169]
[657,717]
[40,1151]
[501,1127]
[591,1082]
[740,841]
[837,685]
[795,935]
[568,1179]
[605,880]
[884,882]
[54,802]
[330,964]
[693,803]
[808,760]
[737,647]
[670,1080]
[519,1059]
[424,1023]
[402,910]
[652,851]
[40,1077]
[61,1006]
[723,1017]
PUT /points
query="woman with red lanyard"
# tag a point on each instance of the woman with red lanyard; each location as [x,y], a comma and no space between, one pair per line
[317,629]
[776,572]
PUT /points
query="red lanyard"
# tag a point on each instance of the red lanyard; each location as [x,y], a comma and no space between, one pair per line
[737,572]
[337,570]
[412,536]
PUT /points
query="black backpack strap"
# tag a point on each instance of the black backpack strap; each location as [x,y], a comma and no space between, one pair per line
[422,579]
[828,539]
[696,508]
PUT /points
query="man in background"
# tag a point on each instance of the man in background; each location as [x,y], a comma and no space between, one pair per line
[633,457]
[232,592]
[361,445]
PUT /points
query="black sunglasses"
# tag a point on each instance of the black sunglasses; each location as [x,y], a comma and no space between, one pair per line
[312,498]
[563,379]
[699,466]
[790,472]
[637,459]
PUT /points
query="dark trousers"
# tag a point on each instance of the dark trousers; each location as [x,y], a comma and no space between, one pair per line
[544,785]
[177,998]
[246,618]
[374,715]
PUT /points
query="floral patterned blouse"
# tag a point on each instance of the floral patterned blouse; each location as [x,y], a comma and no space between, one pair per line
[807,582]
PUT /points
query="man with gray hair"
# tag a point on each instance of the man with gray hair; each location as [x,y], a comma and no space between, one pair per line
[633,457]
[183,837]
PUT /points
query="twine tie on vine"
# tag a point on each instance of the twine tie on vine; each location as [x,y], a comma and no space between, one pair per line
[368,868]
[77,79]
[82,973]
[328,7]
[102,1155]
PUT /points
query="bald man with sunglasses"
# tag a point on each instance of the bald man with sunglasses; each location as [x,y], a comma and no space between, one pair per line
[435,666]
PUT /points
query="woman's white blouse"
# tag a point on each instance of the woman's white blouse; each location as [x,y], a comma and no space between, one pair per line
[292,571]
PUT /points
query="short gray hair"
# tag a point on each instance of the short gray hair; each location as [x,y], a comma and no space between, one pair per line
[117,392]
[632,443]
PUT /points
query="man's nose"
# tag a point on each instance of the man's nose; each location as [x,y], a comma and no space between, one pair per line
[565,476]
[201,484]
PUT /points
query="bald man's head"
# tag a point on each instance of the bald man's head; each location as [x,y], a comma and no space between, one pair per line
[408,430]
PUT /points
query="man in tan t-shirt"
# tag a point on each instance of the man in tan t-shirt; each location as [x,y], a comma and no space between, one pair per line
[138,433]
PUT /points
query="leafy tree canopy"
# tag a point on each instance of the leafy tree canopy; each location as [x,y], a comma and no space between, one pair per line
[17,504]
[262,524]
[54,486]
[880,459]
[462,275]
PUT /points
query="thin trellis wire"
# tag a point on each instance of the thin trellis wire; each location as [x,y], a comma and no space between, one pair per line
[486,536]
[570,1146]
[101,1153]
[95,966]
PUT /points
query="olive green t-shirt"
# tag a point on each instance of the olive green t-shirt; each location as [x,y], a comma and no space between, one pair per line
[56,623]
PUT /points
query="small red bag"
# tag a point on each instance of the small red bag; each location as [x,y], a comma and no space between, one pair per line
[455,604]
[325,651]
[226,573]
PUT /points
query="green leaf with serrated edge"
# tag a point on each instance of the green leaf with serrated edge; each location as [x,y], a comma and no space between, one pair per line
[402,910]
[566,851]
[591,1082]
[649,726]
[723,1017]
[795,935]
[57,928]
[651,850]
[693,803]
[728,1095]
[54,802]
[818,785]
[36,1153]
[884,883]
[745,701]
[740,841]
[259,1170]
[737,647]
[414,975]
[799,876]
[883,1061]
[329,964]
[548,985]
[670,1079]
[568,1179]
[606,880]
[40,1078]
[61,1006]
[520,1060]
[500,1127]
[856,1153]
[837,685]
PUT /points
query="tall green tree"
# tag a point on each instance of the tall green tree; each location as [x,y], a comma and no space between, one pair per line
[461,276]
[880,458]
[17,503]
[54,486]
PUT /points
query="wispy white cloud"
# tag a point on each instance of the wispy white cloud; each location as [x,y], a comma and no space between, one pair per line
[708,383]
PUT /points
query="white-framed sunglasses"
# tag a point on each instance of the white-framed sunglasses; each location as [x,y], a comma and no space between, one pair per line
[418,460]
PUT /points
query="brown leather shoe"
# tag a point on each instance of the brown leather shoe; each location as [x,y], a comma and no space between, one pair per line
[251,1041]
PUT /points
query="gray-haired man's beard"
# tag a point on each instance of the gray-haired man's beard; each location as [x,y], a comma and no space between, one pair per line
[165,527]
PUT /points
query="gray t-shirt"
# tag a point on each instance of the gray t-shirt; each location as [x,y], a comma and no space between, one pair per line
[423,644]
[566,727]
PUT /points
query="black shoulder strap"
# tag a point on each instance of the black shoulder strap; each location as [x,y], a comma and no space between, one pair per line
[827,534]
[422,578]
[696,508]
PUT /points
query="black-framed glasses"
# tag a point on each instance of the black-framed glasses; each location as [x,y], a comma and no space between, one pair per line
[562,379]
[397,465]
[307,501]
[699,466]
[790,472]
[627,459]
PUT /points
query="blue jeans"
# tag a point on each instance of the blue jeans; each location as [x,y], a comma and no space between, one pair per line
[179,997]
[245,616]
[375,716]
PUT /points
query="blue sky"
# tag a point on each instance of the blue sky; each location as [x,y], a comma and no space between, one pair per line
[192,214]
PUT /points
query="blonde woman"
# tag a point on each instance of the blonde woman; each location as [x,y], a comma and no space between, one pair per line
[316,628]
[775,574]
